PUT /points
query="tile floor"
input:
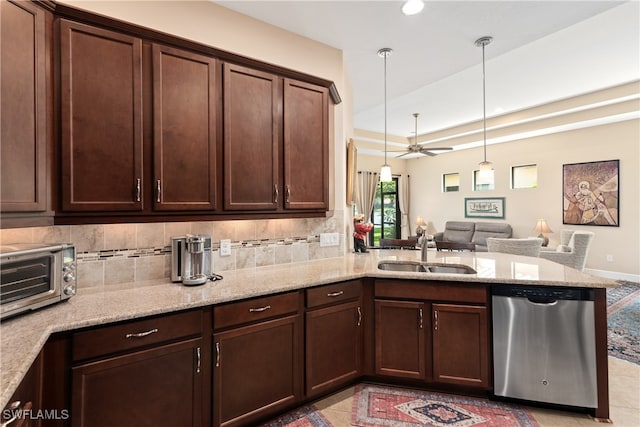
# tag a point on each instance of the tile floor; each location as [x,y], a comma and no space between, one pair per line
[624,396]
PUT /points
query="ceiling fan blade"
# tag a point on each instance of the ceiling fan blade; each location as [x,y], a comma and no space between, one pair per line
[402,155]
[423,148]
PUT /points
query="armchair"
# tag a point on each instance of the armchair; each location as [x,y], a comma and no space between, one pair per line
[572,250]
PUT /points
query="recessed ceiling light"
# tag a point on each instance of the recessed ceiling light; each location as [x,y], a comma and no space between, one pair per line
[411,7]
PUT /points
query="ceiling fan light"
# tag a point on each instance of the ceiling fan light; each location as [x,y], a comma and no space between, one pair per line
[385,173]
[411,7]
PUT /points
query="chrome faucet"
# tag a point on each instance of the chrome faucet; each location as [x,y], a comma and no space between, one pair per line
[423,249]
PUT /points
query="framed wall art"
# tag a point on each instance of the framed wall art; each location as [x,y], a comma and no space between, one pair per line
[484,207]
[591,194]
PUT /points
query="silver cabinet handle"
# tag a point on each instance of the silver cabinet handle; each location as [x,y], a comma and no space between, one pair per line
[138,189]
[141,334]
[335,294]
[217,355]
[259,310]
[14,408]
[158,190]
[435,318]
[288,193]
[421,318]
[198,356]
[359,316]
[275,193]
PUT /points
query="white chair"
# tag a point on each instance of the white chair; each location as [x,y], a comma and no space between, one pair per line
[572,250]
[527,247]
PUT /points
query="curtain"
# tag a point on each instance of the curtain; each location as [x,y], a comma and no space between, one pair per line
[367,184]
[352,159]
[403,199]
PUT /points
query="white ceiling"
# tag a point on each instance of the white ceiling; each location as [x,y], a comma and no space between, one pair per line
[542,51]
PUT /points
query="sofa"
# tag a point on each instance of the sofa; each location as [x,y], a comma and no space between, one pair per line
[476,232]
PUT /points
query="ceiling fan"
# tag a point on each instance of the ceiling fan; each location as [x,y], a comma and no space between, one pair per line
[416,148]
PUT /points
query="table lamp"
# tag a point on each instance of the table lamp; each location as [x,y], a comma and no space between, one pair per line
[542,227]
[420,223]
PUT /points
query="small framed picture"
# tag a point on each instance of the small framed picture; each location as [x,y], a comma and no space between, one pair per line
[484,207]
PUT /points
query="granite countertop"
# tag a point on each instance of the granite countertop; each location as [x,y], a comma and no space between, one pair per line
[21,338]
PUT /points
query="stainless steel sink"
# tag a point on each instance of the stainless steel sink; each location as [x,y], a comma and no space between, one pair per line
[414,267]
[418,267]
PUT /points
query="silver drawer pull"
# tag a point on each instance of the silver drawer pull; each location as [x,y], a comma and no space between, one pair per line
[259,310]
[14,409]
[141,334]
[335,294]
[359,316]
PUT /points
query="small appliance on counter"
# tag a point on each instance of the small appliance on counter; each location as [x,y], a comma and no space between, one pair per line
[35,275]
[191,259]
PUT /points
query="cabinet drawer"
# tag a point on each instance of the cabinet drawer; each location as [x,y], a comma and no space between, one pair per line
[134,334]
[252,310]
[334,293]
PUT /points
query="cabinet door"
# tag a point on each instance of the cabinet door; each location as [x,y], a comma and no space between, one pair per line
[161,386]
[184,115]
[23,145]
[333,347]
[306,167]
[251,139]
[26,399]
[101,114]
[460,345]
[400,339]
[257,371]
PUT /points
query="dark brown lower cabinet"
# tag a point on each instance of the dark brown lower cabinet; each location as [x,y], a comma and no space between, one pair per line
[333,340]
[257,371]
[400,339]
[161,386]
[23,407]
[460,345]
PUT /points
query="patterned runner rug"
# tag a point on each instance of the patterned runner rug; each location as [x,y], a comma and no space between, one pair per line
[623,319]
[375,406]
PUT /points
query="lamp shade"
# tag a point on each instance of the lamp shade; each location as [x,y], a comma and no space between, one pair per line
[542,227]
[385,173]
[420,222]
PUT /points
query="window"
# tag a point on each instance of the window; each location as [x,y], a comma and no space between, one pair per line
[450,182]
[483,181]
[386,213]
[524,176]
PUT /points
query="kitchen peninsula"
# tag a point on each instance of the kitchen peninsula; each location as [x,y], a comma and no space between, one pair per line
[22,338]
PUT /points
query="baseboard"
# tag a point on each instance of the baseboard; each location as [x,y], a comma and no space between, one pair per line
[613,275]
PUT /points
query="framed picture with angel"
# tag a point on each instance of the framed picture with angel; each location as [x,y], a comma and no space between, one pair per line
[591,194]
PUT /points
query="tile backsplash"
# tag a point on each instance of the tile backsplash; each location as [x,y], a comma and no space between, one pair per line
[118,253]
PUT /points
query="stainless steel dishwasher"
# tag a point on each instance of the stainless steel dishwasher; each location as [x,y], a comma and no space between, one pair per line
[544,345]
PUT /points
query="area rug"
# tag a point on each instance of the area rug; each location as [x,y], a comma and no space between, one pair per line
[378,406]
[623,320]
[306,416]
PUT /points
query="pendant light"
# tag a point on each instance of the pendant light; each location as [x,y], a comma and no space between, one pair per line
[385,171]
[485,166]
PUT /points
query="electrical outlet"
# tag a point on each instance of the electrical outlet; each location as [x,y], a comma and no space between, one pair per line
[329,239]
[609,258]
[225,247]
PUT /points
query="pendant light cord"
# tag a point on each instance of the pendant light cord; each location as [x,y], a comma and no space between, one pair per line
[385,108]
[484,106]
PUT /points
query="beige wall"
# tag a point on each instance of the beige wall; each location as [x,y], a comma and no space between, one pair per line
[608,142]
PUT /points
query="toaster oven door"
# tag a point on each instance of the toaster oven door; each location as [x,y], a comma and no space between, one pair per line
[27,283]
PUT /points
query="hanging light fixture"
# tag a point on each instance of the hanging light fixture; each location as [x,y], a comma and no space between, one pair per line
[385,171]
[485,166]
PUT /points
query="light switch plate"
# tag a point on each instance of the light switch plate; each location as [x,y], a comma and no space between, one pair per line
[225,247]
[329,239]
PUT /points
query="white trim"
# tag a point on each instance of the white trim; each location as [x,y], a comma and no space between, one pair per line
[613,275]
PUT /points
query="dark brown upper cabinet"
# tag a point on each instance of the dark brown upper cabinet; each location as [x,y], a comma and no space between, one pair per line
[251,139]
[24,104]
[306,158]
[101,119]
[184,143]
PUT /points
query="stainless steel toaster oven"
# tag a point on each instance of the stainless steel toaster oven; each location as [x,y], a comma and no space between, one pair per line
[35,275]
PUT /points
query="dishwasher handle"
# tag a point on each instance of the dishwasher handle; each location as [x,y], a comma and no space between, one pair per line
[543,300]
